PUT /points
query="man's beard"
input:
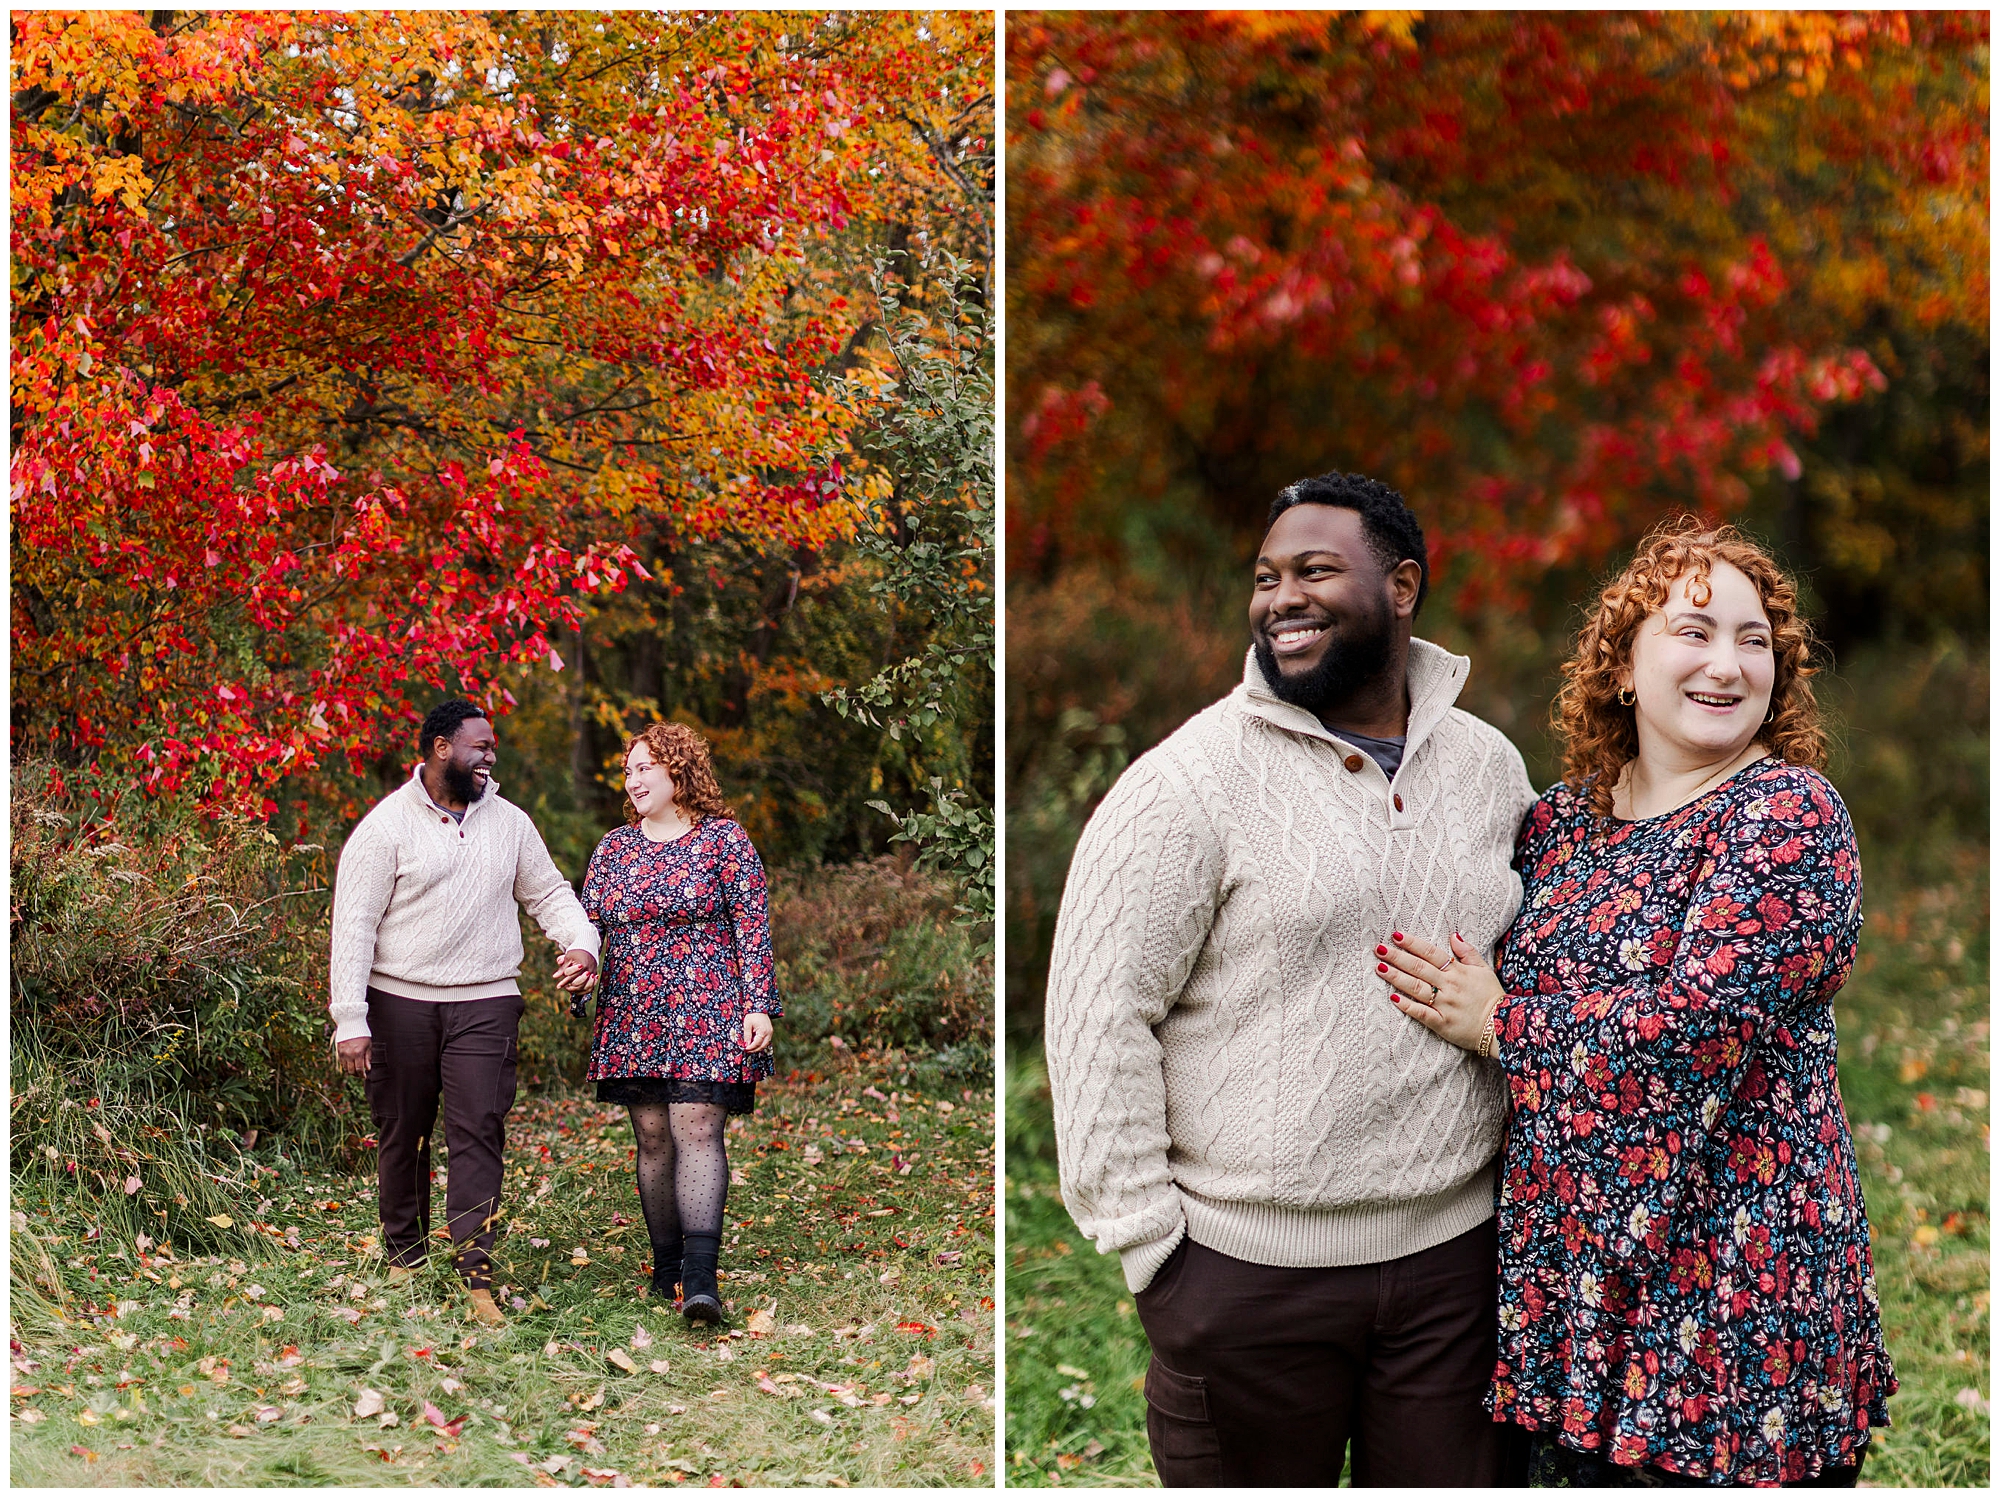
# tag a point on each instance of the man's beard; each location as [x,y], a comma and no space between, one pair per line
[1352,660]
[459,781]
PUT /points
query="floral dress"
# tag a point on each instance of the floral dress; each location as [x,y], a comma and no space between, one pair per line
[1685,1278]
[687,953]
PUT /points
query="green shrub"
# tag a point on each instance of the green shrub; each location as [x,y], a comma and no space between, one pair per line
[869,954]
[170,962]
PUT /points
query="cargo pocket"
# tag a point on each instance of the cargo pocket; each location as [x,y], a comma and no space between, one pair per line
[380,1086]
[509,1074]
[1187,1451]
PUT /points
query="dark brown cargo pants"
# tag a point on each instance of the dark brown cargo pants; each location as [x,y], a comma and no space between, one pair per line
[464,1056]
[1264,1377]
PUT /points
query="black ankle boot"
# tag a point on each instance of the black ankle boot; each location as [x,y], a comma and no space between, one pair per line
[701,1298]
[666,1268]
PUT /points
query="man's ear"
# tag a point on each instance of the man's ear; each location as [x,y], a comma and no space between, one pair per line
[1405,578]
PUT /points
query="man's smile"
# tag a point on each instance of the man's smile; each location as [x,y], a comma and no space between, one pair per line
[1293,636]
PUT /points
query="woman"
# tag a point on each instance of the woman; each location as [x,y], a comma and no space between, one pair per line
[1686,1290]
[686,998]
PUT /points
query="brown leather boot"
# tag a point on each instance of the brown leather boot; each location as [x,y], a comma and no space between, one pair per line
[484,1310]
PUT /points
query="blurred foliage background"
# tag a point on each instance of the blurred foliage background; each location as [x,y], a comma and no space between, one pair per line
[1545,273]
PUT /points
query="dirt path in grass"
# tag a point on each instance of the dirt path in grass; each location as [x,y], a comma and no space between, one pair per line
[858,1268]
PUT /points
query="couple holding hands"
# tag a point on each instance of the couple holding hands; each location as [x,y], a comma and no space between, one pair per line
[1495,1137]
[426,949]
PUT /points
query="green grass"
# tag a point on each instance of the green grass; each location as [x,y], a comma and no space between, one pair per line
[1914,1076]
[860,1226]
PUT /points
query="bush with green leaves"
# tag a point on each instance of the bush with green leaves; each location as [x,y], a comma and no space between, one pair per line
[927,499]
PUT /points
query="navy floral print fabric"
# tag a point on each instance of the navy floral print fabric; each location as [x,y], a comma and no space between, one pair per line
[1685,1272]
[687,952]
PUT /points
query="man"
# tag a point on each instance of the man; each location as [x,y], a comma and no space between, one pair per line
[1299,1181]
[426,953]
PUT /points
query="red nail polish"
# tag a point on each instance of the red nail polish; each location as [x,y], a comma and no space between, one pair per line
[1381,967]
[1381,951]
[1395,936]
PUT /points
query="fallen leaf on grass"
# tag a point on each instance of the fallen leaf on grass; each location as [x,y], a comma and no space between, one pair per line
[916,1328]
[949,1257]
[223,1220]
[83,1451]
[369,1402]
[238,1432]
[659,1365]
[266,1413]
[799,1329]
[641,1339]
[618,1358]
[761,1324]
[89,1417]
[291,1357]
[30,1417]
[789,1391]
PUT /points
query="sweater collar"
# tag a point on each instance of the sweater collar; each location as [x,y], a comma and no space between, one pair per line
[1436,677]
[414,789]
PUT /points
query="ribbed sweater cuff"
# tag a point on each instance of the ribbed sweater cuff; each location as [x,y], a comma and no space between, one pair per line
[1143,1260]
[1373,1233]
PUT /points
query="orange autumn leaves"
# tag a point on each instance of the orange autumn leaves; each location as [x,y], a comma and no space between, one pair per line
[351,350]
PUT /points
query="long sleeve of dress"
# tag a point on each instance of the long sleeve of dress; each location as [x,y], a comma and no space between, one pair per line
[740,876]
[1136,910]
[1646,1069]
[594,880]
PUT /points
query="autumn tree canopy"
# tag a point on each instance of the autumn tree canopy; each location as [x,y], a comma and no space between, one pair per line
[353,352]
[1549,273]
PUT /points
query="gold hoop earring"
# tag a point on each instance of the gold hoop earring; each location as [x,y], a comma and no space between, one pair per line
[1627,697]
[1772,713]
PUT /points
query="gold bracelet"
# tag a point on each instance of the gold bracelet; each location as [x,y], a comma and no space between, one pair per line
[1487,1037]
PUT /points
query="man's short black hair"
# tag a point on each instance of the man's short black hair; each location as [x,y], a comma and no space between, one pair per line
[1393,532]
[442,721]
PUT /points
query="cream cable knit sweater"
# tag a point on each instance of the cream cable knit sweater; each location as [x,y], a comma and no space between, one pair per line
[423,906]
[1224,1060]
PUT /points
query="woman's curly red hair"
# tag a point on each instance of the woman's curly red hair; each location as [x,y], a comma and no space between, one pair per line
[684,755]
[1600,735]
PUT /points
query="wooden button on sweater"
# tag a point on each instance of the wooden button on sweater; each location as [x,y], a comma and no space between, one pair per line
[1353,762]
